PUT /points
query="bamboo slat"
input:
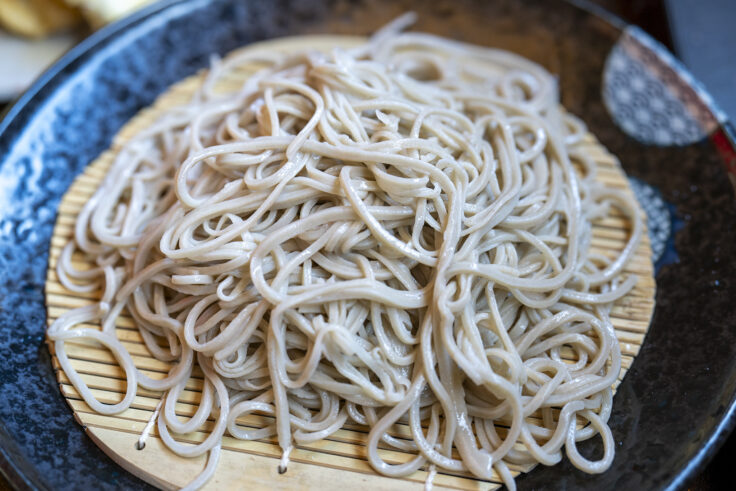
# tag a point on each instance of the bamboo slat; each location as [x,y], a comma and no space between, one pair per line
[337,462]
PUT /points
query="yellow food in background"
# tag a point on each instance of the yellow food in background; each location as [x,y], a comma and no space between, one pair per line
[37,18]
[101,12]
[40,18]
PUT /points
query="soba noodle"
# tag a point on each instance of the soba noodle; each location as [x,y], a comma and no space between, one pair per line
[395,233]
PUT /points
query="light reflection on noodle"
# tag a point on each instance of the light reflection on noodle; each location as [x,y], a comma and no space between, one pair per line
[390,233]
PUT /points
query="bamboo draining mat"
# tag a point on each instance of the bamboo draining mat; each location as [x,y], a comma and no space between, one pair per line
[339,461]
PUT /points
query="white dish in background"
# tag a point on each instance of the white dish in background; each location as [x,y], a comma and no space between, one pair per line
[22,60]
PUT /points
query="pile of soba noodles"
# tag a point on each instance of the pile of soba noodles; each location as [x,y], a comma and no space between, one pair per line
[398,233]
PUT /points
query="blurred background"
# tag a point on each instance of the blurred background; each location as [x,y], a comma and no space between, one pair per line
[702,33]
[34,33]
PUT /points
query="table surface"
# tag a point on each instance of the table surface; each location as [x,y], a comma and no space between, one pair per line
[701,33]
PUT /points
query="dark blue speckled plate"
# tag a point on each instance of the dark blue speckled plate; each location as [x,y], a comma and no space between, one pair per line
[677,402]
